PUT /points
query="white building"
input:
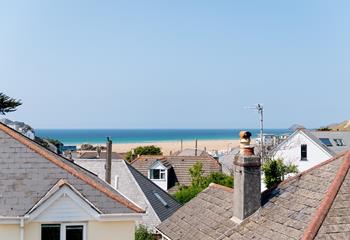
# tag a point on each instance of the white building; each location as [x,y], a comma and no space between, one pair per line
[20,127]
[306,148]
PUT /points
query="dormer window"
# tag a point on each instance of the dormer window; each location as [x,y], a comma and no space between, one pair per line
[339,142]
[157,174]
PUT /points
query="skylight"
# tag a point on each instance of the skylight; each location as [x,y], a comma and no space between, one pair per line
[326,142]
[339,142]
[160,199]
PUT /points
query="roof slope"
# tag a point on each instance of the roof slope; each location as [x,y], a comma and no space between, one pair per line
[28,171]
[180,164]
[136,187]
[289,210]
[93,155]
[331,135]
[150,190]
[202,217]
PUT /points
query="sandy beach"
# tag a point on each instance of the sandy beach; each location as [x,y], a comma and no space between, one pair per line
[173,146]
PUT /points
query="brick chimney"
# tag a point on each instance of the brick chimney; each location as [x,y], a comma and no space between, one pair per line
[247,180]
[108,166]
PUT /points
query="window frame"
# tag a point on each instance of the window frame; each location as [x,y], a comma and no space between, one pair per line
[64,232]
[339,142]
[162,174]
[63,229]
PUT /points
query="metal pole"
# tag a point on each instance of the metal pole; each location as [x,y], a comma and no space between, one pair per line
[108,166]
[261,112]
[195,150]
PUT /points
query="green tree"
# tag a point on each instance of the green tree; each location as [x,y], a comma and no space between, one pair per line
[8,104]
[275,170]
[200,182]
[142,233]
[143,150]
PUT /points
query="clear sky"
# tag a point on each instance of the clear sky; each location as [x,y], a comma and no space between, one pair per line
[176,64]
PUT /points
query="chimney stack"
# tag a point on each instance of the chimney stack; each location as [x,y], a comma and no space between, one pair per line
[108,165]
[247,180]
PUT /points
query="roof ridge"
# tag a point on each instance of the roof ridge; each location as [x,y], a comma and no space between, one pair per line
[322,211]
[54,158]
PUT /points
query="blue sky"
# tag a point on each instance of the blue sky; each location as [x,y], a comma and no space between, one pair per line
[176,64]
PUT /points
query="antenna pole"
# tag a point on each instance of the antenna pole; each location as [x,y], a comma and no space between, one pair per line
[261,112]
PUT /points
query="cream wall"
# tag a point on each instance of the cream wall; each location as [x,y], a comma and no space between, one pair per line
[9,232]
[111,230]
[32,231]
[95,231]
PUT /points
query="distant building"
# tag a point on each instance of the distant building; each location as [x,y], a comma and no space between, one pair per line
[21,127]
[307,148]
[159,205]
[170,171]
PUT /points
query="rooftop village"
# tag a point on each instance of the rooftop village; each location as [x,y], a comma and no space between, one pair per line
[95,194]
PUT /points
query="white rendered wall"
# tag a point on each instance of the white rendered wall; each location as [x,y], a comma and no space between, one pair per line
[162,183]
[290,150]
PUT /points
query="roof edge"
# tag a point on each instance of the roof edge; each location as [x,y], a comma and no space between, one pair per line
[53,157]
[321,213]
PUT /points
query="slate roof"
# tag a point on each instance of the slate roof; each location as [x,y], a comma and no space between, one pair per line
[306,206]
[331,135]
[28,171]
[202,217]
[191,152]
[137,188]
[151,190]
[180,164]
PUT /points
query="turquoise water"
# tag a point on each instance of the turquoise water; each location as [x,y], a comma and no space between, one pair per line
[98,136]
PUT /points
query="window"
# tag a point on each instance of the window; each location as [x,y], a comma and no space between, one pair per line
[160,199]
[326,142]
[157,174]
[50,231]
[303,152]
[339,142]
[63,232]
[74,232]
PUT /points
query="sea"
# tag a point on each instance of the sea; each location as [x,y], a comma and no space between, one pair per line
[99,136]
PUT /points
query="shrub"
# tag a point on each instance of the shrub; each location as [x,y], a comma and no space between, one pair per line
[275,170]
[200,182]
[143,150]
[143,233]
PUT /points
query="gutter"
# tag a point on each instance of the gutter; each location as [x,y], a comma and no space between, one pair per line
[121,217]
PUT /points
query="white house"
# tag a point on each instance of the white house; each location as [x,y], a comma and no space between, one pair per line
[306,148]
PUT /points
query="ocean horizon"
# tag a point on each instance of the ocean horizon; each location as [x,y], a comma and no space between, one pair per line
[98,136]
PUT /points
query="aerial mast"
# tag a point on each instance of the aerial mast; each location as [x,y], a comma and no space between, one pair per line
[260,109]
